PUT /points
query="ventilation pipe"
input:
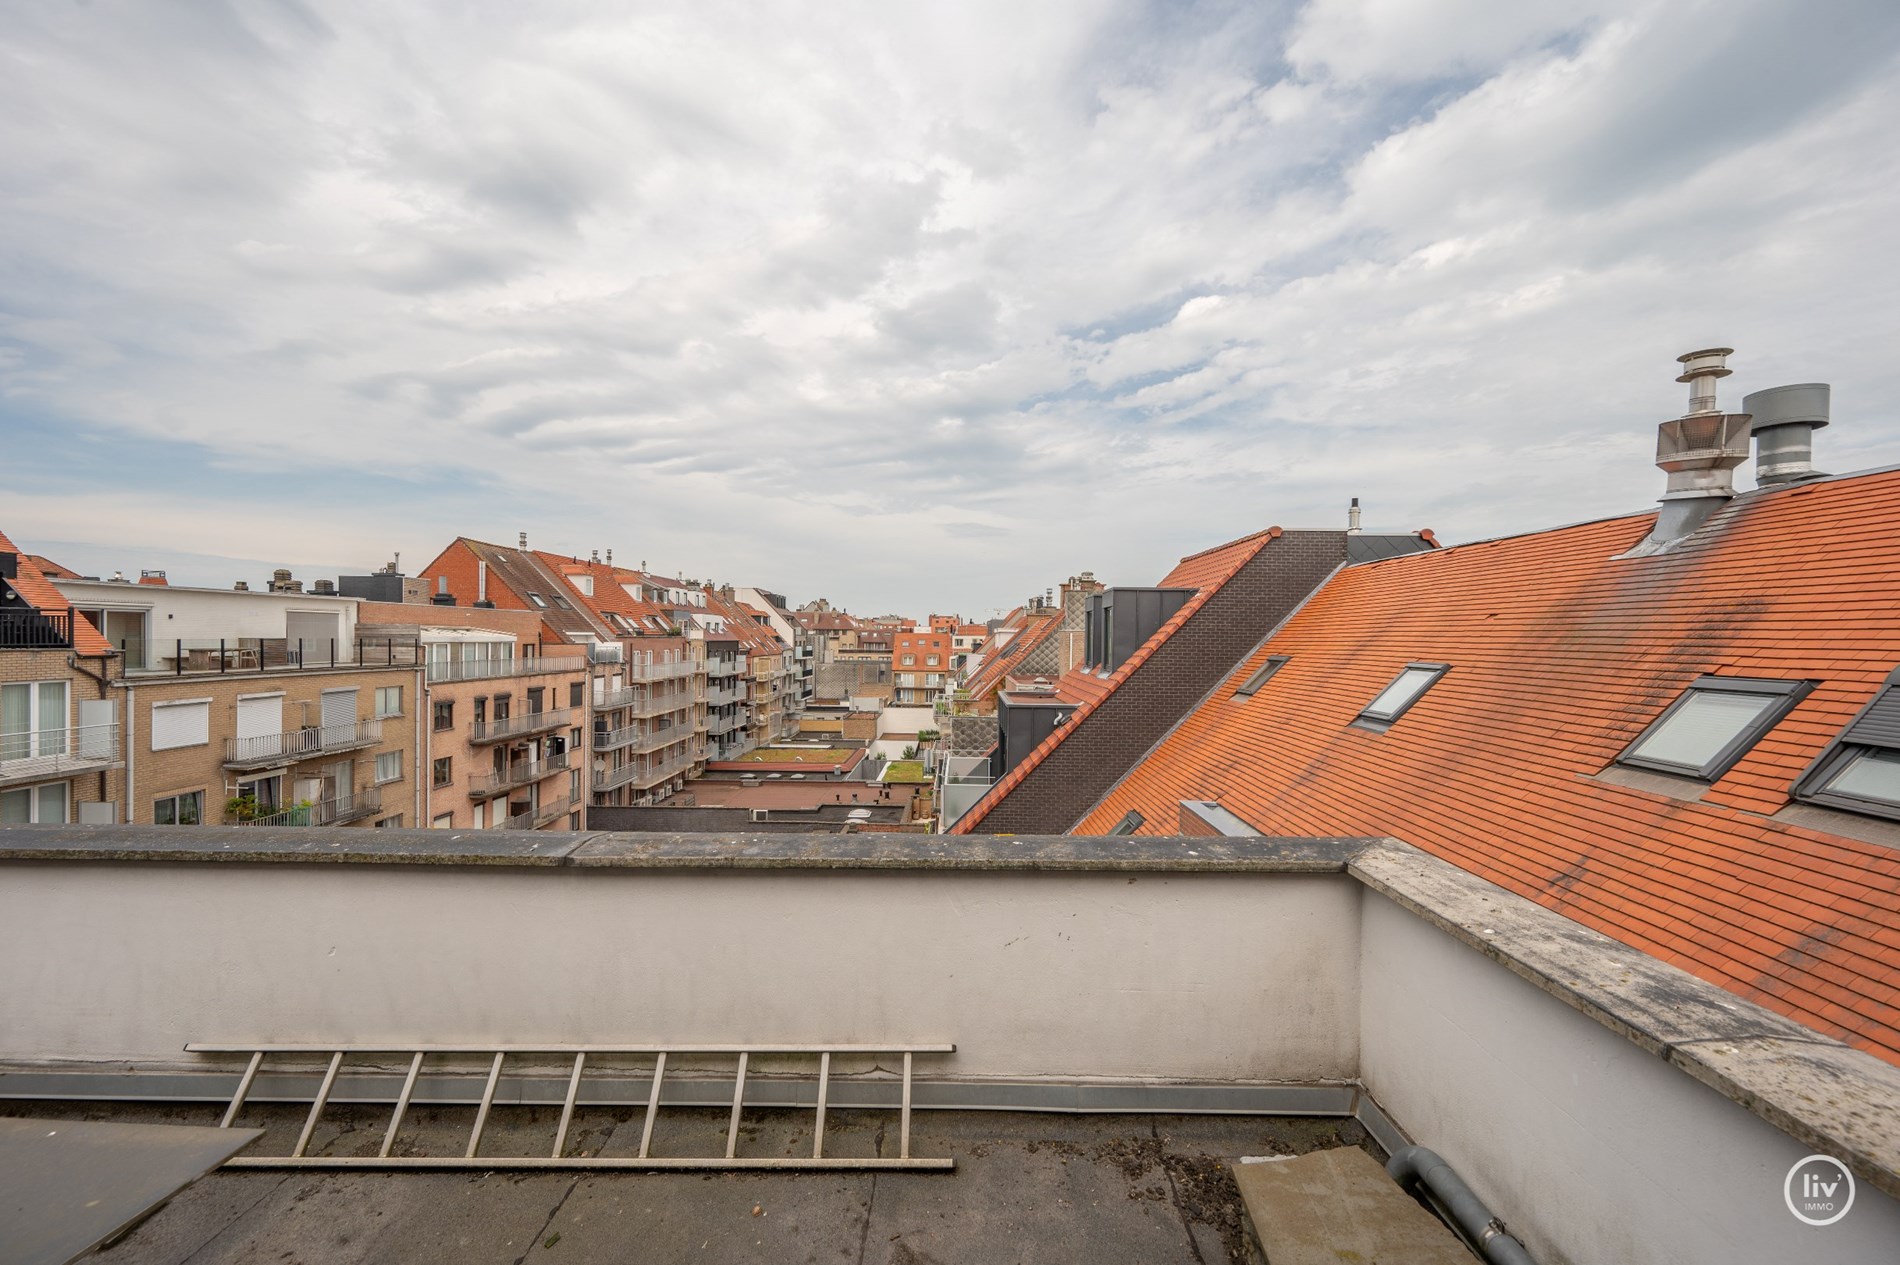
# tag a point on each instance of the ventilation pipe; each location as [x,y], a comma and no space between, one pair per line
[1699,451]
[524,542]
[1352,516]
[1785,421]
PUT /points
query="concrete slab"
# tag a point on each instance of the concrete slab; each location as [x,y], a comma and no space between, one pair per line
[1339,1205]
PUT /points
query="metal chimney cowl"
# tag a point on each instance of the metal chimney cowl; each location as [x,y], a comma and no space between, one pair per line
[1699,451]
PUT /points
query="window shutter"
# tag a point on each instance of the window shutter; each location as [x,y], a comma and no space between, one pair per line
[181,724]
[1879,725]
[261,717]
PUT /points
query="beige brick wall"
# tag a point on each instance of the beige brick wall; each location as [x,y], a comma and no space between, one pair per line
[54,665]
[467,758]
[151,775]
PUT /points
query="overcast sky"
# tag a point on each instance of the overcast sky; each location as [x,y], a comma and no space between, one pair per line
[917,307]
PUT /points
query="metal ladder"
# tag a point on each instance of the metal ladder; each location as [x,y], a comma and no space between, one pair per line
[557,1160]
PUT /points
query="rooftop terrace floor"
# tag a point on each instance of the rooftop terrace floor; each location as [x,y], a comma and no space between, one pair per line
[1028,1187]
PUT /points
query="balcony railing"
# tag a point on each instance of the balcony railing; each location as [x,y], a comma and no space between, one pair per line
[535,818]
[300,744]
[329,812]
[724,667]
[32,630]
[643,701]
[489,669]
[520,773]
[519,726]
[724,698]
[646,773]
[179,657]
[38,754]
[659,671]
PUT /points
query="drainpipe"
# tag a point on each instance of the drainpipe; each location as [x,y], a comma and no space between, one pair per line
[1426,1176]
[105,694]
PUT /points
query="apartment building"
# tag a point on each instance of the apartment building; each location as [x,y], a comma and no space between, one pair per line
[765,665]
[60,739]
[506,703]
[801,666]
[920,663]
[250,708]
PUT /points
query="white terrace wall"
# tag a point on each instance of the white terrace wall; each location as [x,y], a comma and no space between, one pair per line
[1588,1148]
[1216,977]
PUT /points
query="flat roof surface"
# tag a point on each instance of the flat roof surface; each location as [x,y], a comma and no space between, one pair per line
[1028,1187]
[787,794]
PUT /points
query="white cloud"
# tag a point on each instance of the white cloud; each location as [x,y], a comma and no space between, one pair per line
[711,283]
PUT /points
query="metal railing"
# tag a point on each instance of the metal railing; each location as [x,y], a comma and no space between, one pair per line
[40,753]
[521,773]
[34,630]
[329,812]
[489,669]
[546,813]
[724,698]
[642,700]
[659,671]
[300,744]
[724,667]
[646,773]
[181,657]
[519,725]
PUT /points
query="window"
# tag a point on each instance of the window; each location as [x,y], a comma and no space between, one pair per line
[388,767]
[444,715]
[442,773]
[1860,770]
[182,724]
[390,823]
[44,805]
[909,660]
[264,796]
[445,822]
[1129,824]
[179,810]
[1396,698]
[389,700]
[577,694]
[561,602]
[1714,723]
[32,719]
[931,660]
[538,600]
[1261,674]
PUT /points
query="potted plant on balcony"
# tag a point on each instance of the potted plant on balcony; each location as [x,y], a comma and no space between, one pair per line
[241,808]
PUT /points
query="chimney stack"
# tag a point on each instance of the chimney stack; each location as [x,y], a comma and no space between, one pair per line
[524,542]
[1785,421]
[1698,451]
[594,557]
[610,557]
[1352,516]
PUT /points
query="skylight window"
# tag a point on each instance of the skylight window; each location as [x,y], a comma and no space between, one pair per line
[538,600]
[1396,698]
[1259,678]
[1130,824]
[1860,771]
[1713,724]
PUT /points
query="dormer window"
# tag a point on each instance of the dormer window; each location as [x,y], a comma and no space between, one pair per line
[1397,698]
[1713,725]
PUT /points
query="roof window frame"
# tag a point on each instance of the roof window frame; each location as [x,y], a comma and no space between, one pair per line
[1850,744]
[1379,722]
[1261,675]
[1788,693]
[1131,821]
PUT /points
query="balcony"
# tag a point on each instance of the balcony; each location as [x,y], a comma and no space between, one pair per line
[642,700]
[548,813]
[491,669]
[724,724]
[724,697]
[340,811]
[41,755]
[523,725]
[660,671]
[721,668]
[520,773]
[292,746]
[636,739]
[1361,985]
[639,773]
[32,630]
[226,655]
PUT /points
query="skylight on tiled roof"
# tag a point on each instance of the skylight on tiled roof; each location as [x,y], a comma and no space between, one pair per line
[1405,690]
[1253,683]
[1860,770]
[1713,724]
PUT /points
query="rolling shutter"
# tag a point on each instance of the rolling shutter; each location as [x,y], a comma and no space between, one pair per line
[181,724]
[1879,725]
[260,717]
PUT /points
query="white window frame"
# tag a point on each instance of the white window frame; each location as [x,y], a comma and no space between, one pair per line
[174,800]
[35,802]
[381,690]
[380,779]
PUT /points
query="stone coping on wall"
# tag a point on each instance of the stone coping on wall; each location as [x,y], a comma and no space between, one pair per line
[1826,1095]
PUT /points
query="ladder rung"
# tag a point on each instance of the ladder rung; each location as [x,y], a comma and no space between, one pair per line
[567,1108]
[653,1105]
[738,1105]
[824,1088]
[402,1103]
[244,1087]
[316,1108]
[488,1100]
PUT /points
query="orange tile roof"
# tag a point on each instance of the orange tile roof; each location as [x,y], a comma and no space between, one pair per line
[47,600]
[50,569]
[1560,656]
[998,665]
[608,595]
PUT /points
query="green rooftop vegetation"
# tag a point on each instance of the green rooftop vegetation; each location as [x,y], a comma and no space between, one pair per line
[803,755]
[906,771]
